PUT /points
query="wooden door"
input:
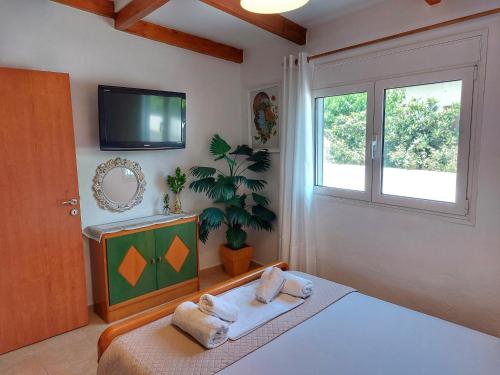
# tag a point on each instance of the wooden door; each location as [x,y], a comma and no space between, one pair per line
[131,266]
[42,279]
[177,259]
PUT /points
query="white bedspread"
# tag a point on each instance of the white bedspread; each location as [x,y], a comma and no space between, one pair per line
[357,335]
[361,335]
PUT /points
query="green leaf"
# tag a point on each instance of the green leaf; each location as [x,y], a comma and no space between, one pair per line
[237,201]
[203,231]
[223,189]
[218,146]
[254,185]
[262,161]
[263,213]
[260,199]
[259,224]
[237,215]
[242,150]
[202,185]
[229,160]
[259,156]
[260,166]
[203,172]
[213,217]
[236,180]
[177,182]
[236,238]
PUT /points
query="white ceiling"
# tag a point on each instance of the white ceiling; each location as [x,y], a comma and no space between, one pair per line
[318,11]
[197,18]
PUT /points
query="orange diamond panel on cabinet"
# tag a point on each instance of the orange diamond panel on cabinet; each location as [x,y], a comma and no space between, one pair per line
[132,266]
[177,253]
[176,249]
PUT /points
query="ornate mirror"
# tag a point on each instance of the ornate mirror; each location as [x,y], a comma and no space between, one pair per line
[119,185]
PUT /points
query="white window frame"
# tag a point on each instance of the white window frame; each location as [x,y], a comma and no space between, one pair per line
[374,141]
[318,115]
[459,207]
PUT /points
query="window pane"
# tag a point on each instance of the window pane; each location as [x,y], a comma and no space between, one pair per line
[344,141]
[421,131]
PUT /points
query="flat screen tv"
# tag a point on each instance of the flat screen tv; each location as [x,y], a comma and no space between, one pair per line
[137,119]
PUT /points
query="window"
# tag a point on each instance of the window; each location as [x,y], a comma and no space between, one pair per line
[402,141]
[342,152]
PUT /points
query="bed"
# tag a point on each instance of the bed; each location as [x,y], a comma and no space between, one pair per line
[336,331]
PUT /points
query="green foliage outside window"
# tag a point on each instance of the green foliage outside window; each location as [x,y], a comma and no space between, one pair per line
[418,134]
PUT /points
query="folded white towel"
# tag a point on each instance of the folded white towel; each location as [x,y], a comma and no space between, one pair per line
[271,283]
[297,286]
[219,308]
[208,330]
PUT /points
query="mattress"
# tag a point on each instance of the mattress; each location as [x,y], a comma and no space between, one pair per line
[360,335]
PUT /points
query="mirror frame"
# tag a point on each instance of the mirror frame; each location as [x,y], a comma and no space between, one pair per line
[102,200]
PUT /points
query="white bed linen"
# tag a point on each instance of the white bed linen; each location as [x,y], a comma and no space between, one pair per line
[361,335]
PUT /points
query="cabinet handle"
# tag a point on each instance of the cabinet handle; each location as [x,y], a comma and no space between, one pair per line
[153,260]
[158,259]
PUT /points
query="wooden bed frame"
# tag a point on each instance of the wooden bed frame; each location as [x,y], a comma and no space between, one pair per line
[166,309]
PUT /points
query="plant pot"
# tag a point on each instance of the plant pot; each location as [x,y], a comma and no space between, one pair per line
[236,262]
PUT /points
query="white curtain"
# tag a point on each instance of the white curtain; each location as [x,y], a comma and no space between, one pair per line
[297,240]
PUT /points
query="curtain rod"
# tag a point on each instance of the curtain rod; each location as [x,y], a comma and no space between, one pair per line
[410,32]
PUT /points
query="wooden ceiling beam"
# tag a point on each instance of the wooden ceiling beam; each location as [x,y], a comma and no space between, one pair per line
[103,8]
[274,23]
[432,2]
[135,11]
[187,41]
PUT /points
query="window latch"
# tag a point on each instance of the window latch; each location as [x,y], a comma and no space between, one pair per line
[374,147]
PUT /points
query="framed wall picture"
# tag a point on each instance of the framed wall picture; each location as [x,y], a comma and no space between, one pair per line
[264,117]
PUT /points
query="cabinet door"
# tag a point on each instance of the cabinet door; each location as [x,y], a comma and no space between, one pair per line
[131,272]
[176,252]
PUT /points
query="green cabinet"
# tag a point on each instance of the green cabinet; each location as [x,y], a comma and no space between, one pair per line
[150,260]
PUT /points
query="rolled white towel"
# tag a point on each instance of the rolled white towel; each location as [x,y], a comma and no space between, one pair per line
[271,283]
[215,306]
[297,286]
[208,330]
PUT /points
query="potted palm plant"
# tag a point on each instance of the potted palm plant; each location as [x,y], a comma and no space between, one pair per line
[238,205]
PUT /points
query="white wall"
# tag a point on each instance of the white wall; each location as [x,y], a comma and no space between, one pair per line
[423,262]
[420,261]
[44,35]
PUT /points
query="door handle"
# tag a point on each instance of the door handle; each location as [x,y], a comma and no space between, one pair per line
[71,202]
[374,147]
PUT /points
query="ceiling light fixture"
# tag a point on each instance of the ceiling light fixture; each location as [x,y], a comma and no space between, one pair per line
[272,6]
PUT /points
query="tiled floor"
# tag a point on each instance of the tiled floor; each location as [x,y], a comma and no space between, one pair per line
[75,352]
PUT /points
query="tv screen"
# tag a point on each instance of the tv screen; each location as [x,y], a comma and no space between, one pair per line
[136,119]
